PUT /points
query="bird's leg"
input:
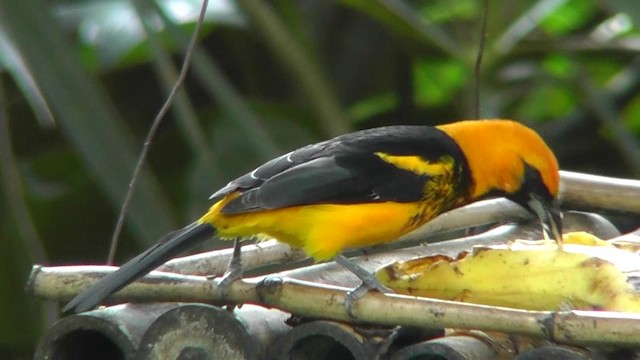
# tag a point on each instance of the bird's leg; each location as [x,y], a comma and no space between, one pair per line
[234,270]
[369,282]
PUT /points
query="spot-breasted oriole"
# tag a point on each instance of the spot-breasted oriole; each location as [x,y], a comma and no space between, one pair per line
[365,188]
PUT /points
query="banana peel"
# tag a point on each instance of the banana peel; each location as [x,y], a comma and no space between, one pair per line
[586,274]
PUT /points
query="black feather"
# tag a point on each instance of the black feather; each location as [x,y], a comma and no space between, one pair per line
[343,170]
[168,247]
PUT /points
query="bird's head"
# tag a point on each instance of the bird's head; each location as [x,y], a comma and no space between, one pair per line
[506,158]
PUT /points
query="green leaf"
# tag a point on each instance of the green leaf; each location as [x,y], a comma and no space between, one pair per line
[87,117]
[547,101]
[558,66]
[601,69]
[20,314]
[373,106]
[440,11]
[405,21]
[571,16]
[219,87]
[12,61]
[437,80]
[309,75]
[631,115]
[110,32]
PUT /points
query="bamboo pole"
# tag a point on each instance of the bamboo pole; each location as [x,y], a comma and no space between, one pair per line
[326,301]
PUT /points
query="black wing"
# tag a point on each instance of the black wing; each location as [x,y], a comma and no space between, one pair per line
[341,170]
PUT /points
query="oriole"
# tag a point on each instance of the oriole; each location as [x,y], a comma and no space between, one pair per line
[365,188]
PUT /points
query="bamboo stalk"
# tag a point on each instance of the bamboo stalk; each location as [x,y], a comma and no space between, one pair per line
[216,262]
[599,193]
[325,301]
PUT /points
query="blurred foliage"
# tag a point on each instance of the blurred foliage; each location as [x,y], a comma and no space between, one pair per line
[81,81]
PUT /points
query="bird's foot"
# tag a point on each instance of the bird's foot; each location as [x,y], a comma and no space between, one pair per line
[369,284]
[233,273]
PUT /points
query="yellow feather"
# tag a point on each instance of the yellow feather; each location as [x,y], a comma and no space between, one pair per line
[418,165]
[323,230]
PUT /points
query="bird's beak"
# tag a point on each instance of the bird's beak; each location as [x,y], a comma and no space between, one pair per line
[550,215]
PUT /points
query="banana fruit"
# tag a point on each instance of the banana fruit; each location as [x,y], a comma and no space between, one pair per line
[587,274]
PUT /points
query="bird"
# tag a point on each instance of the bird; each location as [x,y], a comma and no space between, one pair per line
[361,189]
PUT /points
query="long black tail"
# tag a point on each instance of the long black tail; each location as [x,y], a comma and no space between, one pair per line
[171,245]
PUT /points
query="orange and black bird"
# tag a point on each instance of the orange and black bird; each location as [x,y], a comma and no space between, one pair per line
[364,188]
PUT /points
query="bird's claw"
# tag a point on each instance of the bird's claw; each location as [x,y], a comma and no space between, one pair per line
[354,295]
[232,274]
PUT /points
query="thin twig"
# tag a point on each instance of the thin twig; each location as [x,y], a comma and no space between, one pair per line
[152,131]
[477,68]
[167,73]
[220,88]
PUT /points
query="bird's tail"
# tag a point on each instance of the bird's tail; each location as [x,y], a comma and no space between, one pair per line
[171,245]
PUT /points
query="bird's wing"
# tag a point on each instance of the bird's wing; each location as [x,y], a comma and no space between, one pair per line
[352,178]
[343,170]
[269,169]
